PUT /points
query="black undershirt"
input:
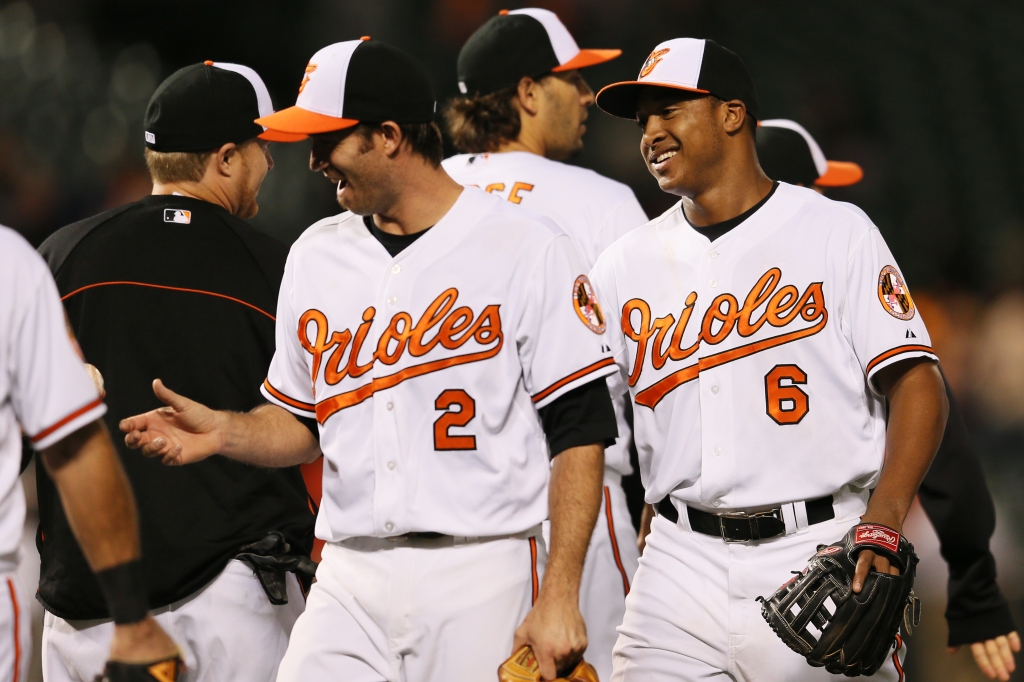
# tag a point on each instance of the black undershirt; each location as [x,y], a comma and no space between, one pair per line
[713,232]
[583,416]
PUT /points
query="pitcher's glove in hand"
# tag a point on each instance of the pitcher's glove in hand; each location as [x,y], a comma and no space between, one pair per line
[522,667]
[818,615]
[168,670]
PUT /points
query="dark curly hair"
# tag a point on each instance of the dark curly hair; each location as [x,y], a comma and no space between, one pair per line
[482,123]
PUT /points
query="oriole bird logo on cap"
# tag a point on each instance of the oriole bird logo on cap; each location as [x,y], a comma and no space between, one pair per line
[310,68]
[652,61]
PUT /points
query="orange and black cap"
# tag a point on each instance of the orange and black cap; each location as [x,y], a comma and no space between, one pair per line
[787,152]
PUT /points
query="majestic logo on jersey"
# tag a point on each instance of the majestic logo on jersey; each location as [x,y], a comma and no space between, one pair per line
[177,215]
[652,61]
[894,295]
[441,324]
[779,307]
[587,307]
[310,68]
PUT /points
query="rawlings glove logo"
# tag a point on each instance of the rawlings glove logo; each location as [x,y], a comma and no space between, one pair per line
[872,534]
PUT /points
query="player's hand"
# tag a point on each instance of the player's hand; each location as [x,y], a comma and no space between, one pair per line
[865,561]
[555,631]
[181,433]
[995,656]
[646,517]
[142,642]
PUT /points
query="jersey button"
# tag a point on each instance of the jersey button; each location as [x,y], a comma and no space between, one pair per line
[391,465]
[716,503]
[389,526]
[390,406]
[396,268]
[714,389]
[713,283]
[392,299]
[718,450]
[713,254]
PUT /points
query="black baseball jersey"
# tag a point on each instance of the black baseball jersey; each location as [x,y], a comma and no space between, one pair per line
[173,288]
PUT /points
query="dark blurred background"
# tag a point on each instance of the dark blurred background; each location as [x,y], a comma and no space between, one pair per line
[926,96]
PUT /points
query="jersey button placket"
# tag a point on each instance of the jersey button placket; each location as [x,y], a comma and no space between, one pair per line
[389,484]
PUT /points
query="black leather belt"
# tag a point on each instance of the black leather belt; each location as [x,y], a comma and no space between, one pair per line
[743,527]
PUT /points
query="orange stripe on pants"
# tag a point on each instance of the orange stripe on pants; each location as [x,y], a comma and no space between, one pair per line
[17,629]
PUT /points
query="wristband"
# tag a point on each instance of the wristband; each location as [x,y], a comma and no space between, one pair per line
[124,588]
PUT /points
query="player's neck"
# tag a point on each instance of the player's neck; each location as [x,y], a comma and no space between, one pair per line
[195,190]
[736,189]
[426,195]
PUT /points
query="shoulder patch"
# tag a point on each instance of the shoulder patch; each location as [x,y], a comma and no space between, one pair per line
[585,301]
[894,295]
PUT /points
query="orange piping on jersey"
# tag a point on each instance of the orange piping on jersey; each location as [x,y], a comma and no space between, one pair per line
[571,378]
[166,288]
[74,415]
[896,656]
[17,630]
[308,407]
[533,567]
[615,541]
[652,395]
[897,351]
[329,406]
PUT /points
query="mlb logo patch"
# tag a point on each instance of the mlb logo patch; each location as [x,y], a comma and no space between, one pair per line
[177,215]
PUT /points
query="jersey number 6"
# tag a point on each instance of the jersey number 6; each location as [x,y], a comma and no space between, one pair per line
[454,397]
[785,403]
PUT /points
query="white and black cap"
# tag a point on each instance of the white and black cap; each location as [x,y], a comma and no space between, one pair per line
[787,152]
[353,82]
[690,64]
[204,106]
[523,42]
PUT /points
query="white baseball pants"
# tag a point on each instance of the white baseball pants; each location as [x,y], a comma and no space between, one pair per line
[692,614]
[414,610]
[228,632]
[15,630]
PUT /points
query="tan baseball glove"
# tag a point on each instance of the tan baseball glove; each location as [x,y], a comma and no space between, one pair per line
[522,667]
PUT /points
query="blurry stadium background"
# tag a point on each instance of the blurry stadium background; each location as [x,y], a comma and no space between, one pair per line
[926,96]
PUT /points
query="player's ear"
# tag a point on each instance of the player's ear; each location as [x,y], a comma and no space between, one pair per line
[734,116]
[528,95]
[392,136]
[226,159]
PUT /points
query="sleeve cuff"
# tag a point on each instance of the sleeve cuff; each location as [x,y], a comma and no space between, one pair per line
[894,355]
[68,425]
[980,627]
[601,368]
[294,406]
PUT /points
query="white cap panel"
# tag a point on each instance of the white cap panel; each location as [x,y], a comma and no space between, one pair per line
[561,40]
[820,162]
[323,86]
[677,62]
[263,101]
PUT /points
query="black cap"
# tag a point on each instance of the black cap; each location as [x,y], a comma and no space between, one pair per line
[357,81]
[204,106]
[787,152]
[524,42]
[690,64]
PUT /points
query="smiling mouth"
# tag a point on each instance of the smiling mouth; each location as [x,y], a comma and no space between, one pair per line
[661,160]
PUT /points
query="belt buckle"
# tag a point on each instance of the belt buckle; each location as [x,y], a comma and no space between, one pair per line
[731,516]
[755,533]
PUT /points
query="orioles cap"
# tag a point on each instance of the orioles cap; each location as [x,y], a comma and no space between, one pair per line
[357,81]
[203,106]
[524,42]
[690,64]
[787,152]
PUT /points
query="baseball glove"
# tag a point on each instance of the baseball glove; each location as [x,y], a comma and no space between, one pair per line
[522,666]
[818,615]
[169,670]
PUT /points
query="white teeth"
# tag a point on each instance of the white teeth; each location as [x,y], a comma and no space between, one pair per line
[664,157]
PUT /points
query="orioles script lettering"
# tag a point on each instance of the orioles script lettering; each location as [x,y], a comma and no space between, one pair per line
[767,303]
[441,324]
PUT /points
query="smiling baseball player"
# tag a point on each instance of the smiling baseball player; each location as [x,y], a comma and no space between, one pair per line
[764,330]
[521,115]
[444,341]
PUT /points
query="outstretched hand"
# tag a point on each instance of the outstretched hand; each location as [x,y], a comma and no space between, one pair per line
[181,433]
[995,656]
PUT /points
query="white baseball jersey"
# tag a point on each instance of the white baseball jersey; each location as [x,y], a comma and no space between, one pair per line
[44,387]
[425,371]
[749,360]
[592,209]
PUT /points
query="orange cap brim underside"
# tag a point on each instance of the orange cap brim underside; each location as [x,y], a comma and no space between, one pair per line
[840,174]
[298,121]
[588,58]
[278,136]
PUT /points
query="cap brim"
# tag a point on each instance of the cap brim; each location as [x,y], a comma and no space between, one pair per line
[619,99]
[278,136]
[588,58]
[840,174]
[299,121]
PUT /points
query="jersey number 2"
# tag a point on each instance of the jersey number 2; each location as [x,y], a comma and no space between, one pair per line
[785,403]
[457,398]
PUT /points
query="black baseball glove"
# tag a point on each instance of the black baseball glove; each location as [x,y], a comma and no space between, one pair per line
[169,670]
[818,615]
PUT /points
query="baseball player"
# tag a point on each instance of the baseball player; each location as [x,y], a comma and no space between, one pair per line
[45,390]
[201,285]
[444,341]
[764,332]
[954,487]
[523,114]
